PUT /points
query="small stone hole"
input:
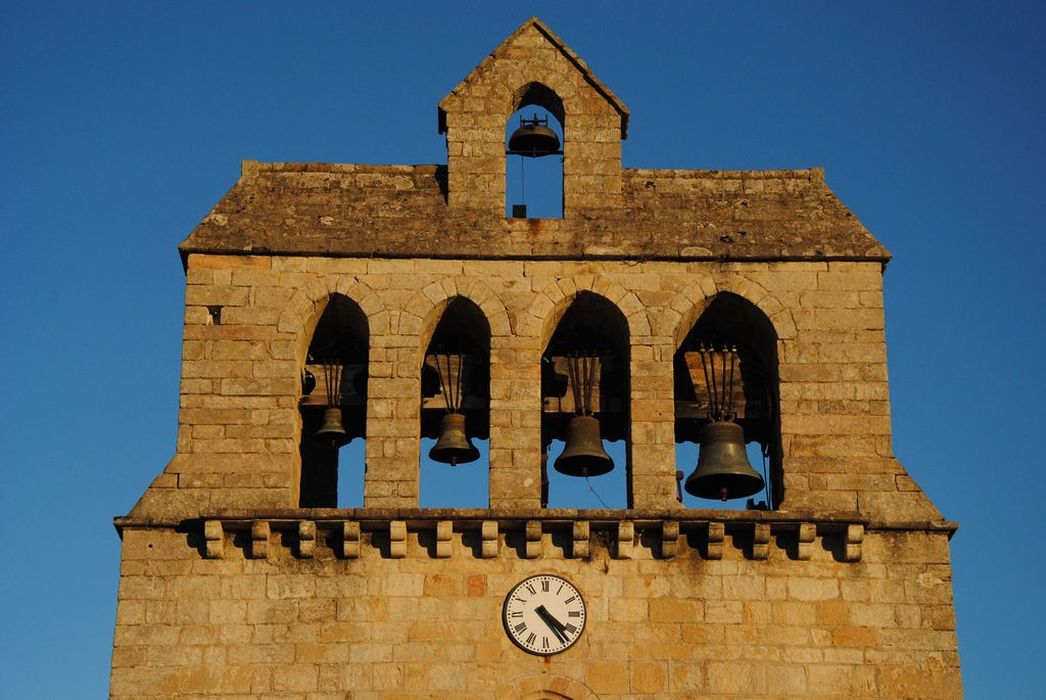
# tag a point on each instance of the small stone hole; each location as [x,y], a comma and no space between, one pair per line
[215,313]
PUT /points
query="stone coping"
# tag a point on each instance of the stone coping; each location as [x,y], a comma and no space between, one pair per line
[464,518]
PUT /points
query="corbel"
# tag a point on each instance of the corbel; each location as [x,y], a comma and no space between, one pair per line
[489,539]
[260,532]
[669,538]
[716,535]
[626,532]
[580,539]
[306,539]
[760,541]
[397,539]
[854,540]
[444,532]
[532,535]
[350,539]
[214,539]
[807,535]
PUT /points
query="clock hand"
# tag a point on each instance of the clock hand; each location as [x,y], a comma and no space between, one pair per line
[557,627]
[556,622]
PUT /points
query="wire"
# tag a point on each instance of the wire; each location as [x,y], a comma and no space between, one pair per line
[588,482]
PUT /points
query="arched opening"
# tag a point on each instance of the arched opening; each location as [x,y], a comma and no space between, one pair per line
[534,137]
[334,408]
[586,462]
[455,410]
[726,375]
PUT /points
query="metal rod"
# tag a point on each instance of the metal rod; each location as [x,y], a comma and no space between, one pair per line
[442,380]
[460,384]
[575,389]
[708,383]
[730,392]
[332,373]
[715,387]
[452,384]
[591,379]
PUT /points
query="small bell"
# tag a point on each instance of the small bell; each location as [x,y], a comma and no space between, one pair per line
[723,470]
[453,446]
[583,454]
[533,138]
[332,431]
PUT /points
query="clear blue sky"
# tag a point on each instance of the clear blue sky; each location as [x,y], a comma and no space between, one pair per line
[122,123]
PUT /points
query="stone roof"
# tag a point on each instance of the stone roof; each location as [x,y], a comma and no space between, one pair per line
[401,211]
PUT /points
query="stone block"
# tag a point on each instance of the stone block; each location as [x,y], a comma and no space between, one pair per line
[260,534]
[350,540]
[580,539]
[444,535]
[489,537]
[626,533]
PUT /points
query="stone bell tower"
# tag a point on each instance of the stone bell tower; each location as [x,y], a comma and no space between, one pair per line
[381,305]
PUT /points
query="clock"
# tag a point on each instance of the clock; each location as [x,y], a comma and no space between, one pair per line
[544,614]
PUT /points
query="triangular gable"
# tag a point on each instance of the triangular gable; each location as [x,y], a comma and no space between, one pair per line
[506,45]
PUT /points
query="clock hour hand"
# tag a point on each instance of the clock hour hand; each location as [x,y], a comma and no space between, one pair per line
[557,627]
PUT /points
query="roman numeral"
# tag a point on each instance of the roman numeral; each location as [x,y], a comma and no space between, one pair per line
[516,613]
[544,642]
[531,637]
[544,586]
[531,589]
[520,627]
[574,613]
[570,628]
[559,589]
[571,599]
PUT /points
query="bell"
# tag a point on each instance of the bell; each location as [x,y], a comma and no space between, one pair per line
[583,454]
[723,470]
[453,446]
[332,431]
[533,140]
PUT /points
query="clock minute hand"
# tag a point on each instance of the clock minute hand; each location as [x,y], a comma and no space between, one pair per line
[557,627]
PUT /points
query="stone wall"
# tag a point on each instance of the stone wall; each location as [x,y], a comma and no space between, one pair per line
[239,421]
[427,624]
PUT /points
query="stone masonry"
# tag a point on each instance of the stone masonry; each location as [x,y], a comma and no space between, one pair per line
[229,588]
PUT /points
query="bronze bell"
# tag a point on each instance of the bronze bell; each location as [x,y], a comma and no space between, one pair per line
[332,430]
[583,454]
[723,470]
[453,446]
[533,139]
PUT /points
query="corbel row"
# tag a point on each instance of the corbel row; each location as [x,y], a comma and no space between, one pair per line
[624,537]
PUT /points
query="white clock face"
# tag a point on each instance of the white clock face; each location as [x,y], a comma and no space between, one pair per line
[544,614]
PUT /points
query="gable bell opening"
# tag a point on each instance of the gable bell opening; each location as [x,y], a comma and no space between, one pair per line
[535,136]
[533,68]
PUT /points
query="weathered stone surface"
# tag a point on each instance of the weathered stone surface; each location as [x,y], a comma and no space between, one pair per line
[230,586]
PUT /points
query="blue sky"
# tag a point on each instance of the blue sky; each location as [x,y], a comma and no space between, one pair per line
[122,123]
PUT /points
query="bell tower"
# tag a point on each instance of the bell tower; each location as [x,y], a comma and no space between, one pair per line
[716,337]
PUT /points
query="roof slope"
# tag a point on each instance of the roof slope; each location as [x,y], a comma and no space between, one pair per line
[401,211]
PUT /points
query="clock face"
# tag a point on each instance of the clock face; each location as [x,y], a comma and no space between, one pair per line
[544,614]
